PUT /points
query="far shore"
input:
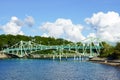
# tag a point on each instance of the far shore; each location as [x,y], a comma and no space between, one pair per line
[41,56]
[106,61]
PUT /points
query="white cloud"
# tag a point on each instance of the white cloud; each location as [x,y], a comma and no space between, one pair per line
[45,35]
[106,24]
[29,20]
[63,28]
[13,26]
[93,35]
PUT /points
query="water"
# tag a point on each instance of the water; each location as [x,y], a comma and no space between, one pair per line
[38,69]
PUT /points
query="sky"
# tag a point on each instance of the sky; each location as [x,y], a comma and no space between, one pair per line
[73,20]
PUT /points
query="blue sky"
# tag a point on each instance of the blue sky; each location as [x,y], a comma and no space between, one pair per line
[50,10]
[43,11]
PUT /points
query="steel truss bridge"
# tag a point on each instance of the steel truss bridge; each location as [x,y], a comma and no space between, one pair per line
[90,47]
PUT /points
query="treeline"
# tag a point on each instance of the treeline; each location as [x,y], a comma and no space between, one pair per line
[110,52]
[9,40]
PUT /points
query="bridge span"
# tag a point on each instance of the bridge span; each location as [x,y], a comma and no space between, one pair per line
[90,47]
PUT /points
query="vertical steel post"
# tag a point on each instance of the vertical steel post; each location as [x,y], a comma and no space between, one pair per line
[21,50]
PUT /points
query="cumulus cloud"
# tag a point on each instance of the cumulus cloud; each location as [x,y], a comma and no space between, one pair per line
[29,20]
[45,35]
[93,35]
[107,25]
[13,26]
[63,28]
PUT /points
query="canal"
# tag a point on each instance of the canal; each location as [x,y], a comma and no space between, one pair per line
[44,69]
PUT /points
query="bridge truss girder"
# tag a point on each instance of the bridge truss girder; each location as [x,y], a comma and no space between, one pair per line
[23,48]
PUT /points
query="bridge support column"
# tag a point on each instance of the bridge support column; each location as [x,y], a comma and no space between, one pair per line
[80,57]
[60,57]
[66,57]
[53,57]
[74,57]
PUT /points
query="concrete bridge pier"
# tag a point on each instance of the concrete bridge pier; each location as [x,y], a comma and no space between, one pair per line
[74,57]
[66,57]
[60,57]
[80,57]
[53,57]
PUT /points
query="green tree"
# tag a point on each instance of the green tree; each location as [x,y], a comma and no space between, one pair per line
[116,53]
[107,50]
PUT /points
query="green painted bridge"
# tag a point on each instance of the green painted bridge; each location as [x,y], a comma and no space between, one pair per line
[89,47]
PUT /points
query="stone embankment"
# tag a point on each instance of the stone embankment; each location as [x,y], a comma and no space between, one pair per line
[106,61]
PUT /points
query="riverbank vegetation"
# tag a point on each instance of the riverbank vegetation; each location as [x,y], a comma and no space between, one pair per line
[109,51]
[9,40]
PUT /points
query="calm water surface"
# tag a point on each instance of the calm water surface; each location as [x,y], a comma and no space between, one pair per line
[38,69]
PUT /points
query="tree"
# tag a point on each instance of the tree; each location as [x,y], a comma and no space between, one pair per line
[10,40]
[107,50]
[116,53]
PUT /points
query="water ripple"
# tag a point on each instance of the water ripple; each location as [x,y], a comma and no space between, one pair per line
[31,69]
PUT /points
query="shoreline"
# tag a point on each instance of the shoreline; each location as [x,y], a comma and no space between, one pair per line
[4,56]
[115,63]
[40,56]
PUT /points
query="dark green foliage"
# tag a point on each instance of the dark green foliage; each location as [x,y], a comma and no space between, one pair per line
[9,40]
[110,52]
[116,53]
[50,41]
[107,50]
[117,50]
